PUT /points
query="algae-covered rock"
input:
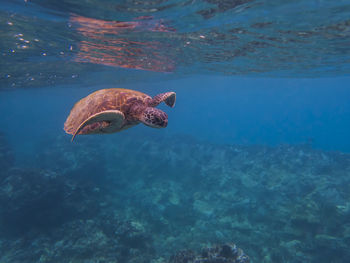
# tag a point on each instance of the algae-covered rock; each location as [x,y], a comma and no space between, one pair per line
[103,239]
[82,161]
[227,253]
[327,241]
[33,199]
[203,207]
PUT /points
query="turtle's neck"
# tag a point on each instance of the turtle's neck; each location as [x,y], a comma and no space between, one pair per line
[135,110]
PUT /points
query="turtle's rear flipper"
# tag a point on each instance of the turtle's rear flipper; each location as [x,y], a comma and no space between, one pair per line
[115,118]
[169,98]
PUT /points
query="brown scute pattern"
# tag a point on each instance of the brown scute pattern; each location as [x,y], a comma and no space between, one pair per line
[101,100]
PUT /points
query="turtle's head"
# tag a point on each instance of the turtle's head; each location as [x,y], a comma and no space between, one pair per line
[154,118]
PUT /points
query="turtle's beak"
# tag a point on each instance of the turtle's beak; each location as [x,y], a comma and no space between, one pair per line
[163,123]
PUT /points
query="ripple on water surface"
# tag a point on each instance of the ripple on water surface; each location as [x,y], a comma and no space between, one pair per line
[50,42]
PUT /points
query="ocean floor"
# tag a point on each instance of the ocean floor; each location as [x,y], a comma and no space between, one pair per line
[127,199]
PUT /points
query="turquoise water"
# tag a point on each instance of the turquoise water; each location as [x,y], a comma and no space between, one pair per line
[256,151]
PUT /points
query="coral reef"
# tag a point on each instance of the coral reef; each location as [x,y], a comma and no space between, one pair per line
[227,253]
[82,161]
[125,198]
[102,239]
[39,199]
[195,192]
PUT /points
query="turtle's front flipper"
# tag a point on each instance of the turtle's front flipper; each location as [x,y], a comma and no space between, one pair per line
[169,98]
[115,118]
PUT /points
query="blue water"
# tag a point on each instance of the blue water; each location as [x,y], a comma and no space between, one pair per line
[256,151]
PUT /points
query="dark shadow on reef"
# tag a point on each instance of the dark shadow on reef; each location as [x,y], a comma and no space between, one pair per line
[227,253]
[124,198]
[38,200]
[43,197]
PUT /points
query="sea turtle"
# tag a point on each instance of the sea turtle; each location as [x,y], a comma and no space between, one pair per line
[113,110]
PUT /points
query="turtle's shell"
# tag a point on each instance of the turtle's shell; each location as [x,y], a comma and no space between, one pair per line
[101,100]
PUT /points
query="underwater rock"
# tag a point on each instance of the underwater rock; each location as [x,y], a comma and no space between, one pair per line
[82,161]
[106,238]
[203,208]
[227,253]
[39,200]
